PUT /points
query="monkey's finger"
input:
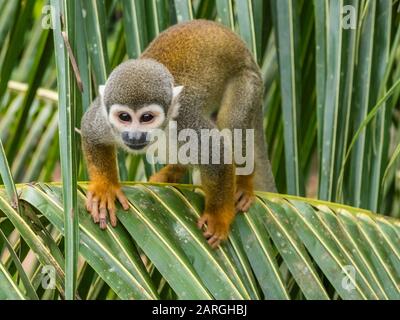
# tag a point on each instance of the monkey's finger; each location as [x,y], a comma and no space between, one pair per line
[89,201]
[113,218]
[123,200]
[112,212]
[103,218]
[95,210]
[103,214]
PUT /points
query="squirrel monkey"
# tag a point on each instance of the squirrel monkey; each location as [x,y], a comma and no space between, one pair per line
[201,75]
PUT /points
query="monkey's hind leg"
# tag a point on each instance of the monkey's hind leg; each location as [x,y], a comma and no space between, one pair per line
[218,183]
[240,106]
[171,173]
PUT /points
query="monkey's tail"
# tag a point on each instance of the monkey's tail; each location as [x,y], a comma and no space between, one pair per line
[263,178]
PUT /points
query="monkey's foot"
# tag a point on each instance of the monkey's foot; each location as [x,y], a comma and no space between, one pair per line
[244,196]
[217,228]
[159,177]
[101,200]
[172,173]
[243,200]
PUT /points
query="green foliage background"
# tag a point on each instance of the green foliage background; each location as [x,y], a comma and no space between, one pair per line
[332,101]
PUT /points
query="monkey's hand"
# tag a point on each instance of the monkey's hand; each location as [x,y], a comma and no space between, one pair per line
[101,199]
[217,227]
[244,196]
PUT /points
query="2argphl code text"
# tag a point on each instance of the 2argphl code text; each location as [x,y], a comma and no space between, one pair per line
[213,309]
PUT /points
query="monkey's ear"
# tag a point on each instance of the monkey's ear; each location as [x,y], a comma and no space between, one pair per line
[101,90]
[176,91]
[174,110]
[101,95]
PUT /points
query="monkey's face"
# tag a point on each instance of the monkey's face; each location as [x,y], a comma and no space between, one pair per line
[134,127]
[138,98]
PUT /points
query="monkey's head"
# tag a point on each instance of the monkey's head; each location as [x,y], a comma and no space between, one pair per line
[139,97]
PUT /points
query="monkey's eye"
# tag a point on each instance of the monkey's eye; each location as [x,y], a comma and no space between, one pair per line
[125,117]
[146,117]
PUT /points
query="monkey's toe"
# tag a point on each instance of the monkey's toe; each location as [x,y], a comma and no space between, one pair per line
[89,201]
[202,221]
[244,200]
[159,178]
[215,241]
[217,230]
[94,209]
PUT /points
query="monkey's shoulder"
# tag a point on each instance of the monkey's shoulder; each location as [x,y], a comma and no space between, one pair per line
[94,126]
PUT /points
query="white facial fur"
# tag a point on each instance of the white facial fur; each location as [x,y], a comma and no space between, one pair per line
[155,109]
[135,124]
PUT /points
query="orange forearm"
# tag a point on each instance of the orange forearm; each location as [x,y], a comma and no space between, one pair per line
[102,165]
